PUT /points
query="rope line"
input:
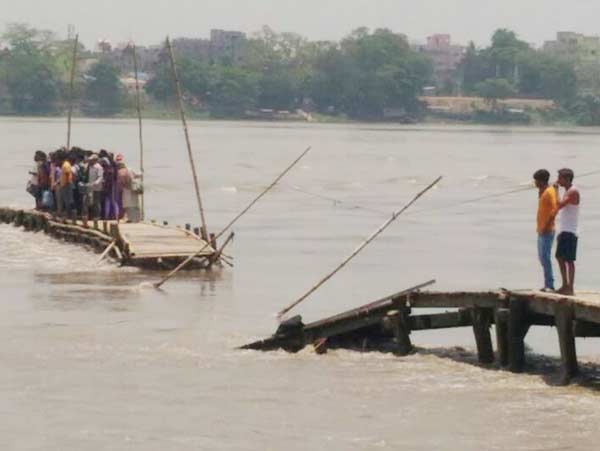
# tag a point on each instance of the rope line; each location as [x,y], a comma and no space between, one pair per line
[345,204]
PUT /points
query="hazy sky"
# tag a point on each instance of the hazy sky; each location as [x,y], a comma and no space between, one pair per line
[149,21]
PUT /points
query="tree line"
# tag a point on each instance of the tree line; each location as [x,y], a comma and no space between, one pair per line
[364,76]
[510,67]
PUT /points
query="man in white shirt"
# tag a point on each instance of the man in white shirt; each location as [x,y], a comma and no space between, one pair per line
[568,217]
[96,183]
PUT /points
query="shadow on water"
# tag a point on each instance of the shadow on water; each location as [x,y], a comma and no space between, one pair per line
[547,368]
[118,289]
[125,277]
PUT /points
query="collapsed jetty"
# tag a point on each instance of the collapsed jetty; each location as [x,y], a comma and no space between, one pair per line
[146,245]
[386,325]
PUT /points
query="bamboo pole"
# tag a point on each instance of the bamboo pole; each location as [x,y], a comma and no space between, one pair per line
[141,136]
[357,250]
[187,135]
[234,220]
[71,89]
[106,251]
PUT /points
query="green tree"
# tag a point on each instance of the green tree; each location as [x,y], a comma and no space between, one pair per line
[495,89]
[547,76]
[233,91]
[372,72]
[29,70]
[284,64]
[505,51]
[586,110]
[329,81]
[475,67]
[194,77]
[103,91]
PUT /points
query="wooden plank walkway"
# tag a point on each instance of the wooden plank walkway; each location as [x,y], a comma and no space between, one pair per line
[151,241]
[146,245]
[386,325]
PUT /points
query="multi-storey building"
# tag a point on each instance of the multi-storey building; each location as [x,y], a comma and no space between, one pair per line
[585,51]
[444,55]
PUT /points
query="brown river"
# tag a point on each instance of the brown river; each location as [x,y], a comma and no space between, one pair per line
[91,359]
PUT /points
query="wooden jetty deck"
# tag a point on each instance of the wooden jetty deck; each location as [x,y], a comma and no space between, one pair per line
[147,245]
[386,325]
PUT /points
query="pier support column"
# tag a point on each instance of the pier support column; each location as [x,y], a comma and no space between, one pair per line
[400,326]
[501,324]
[482,320]
[564,318]
[517,328]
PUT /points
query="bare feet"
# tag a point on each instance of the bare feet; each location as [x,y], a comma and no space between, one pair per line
[566,291]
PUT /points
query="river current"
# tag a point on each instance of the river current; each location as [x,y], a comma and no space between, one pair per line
[92,359]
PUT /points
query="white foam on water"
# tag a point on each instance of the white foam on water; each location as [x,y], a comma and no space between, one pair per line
[20,249]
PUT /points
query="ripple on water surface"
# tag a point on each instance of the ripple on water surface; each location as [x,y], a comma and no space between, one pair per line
[39,252]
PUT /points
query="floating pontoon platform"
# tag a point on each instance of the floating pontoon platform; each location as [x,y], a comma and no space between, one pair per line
[146,244]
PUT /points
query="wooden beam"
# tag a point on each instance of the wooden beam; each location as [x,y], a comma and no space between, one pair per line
[432,299]
[586,329]
[447,320]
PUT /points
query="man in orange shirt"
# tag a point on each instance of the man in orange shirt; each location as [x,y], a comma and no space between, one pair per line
[547,208]
[65,184]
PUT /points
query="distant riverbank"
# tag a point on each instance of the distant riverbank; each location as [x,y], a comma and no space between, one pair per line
[437,110]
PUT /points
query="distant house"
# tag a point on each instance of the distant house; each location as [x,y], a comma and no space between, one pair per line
[129,84]
[445,56]
[585,51]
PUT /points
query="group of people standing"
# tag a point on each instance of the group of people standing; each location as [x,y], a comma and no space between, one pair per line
[551,206]
[80,183]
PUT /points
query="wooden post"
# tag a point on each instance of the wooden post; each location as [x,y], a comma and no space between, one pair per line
[71,89]
[114,231]
[96,224]
[564,317]
[400,326]
[501,323]
[138,105]
[517,329]
[105,227]
[186,133]
[481,328]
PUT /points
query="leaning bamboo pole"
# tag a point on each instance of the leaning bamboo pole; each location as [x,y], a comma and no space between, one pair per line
[187,136]
[234,220]
[71,89]
[358,249]
[141,135]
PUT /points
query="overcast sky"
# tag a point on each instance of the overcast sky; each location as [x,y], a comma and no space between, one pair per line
[149,21]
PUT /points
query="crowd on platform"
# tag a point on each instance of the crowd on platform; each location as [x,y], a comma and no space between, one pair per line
[85,184]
